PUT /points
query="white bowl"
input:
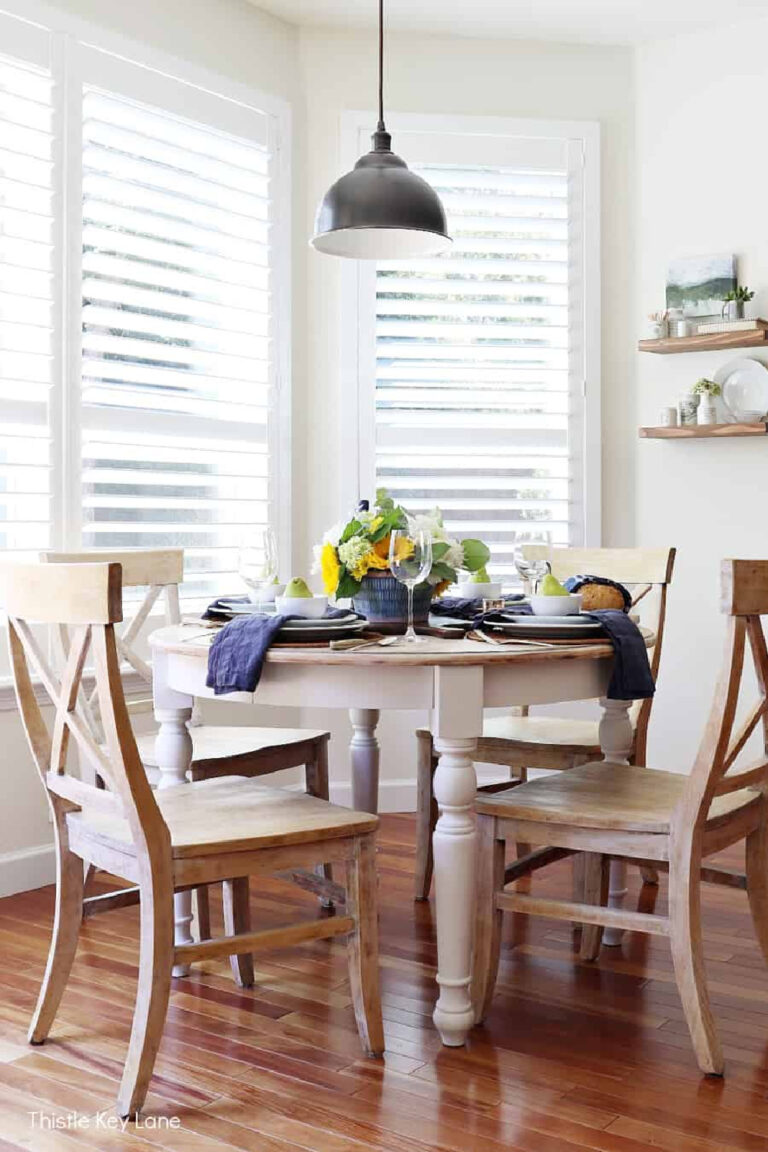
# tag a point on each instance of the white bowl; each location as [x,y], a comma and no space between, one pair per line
[468,590]
[265,593]
[569,605]
[310,607]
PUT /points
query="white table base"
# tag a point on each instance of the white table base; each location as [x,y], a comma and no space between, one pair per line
[456,695]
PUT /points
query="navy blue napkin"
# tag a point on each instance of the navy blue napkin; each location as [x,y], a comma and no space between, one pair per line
[236,656]
[631,678]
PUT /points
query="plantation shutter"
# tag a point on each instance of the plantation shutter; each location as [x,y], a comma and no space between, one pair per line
[177,378]
[26,288]
[479,371]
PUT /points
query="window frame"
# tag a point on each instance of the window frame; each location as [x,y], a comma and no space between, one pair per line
[72,40]
[358,287]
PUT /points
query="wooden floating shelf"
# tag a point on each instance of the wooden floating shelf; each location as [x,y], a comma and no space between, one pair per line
[712,342]
[701,431]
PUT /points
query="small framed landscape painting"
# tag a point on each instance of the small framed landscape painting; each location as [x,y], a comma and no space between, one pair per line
[699,284]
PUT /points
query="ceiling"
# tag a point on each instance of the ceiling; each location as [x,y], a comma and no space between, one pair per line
[593,21]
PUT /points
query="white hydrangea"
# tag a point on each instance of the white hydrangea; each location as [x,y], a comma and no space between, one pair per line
[454,557]
[353,551]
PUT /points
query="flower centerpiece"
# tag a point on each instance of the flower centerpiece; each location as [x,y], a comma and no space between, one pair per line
[353,560]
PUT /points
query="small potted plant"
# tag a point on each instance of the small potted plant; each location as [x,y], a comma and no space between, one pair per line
[659,329]
[733,304]
[706,390]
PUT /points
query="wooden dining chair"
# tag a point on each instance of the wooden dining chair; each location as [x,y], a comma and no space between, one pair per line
[216,750]
[221,830]
[634,813]
[519,741]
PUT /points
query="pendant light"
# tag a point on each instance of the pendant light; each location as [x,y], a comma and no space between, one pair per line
[380,210]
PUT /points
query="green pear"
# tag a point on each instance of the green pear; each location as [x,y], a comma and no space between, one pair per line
[550,586]
[480,577]
[297,589]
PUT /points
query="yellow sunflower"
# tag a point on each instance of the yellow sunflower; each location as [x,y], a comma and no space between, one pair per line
[329,568]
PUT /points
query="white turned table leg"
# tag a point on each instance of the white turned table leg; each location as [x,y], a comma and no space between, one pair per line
[364,756]
[457,722]
[173,750]
[454,844]
[616,744]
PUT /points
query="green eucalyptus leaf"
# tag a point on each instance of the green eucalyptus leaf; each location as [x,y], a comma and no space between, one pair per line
[439,549]
[351,530]
[476,554]
[443,571]
[347,586]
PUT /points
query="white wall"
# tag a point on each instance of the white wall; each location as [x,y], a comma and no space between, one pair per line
[701,171]
[433,74]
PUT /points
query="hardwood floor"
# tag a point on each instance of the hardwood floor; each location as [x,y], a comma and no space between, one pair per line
[572,1056]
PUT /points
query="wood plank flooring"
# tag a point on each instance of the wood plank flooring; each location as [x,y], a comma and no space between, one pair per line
[573,1056]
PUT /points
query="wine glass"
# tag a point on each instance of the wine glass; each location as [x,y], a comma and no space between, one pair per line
[530,571]
[410,562]
[258,564]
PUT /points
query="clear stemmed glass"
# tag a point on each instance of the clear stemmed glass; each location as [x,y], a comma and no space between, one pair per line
[258,562]
[529,571]
[410,562]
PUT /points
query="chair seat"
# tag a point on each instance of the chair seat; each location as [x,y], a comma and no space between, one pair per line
[559,730]
[604,795]
[217,742]
[230,814]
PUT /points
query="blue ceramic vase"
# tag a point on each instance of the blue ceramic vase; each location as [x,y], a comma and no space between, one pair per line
[384,601]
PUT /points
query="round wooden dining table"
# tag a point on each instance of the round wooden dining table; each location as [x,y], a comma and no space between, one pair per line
[455,680]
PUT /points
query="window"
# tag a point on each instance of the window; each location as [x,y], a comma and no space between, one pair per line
[162,426]
[472,366]
[26,298]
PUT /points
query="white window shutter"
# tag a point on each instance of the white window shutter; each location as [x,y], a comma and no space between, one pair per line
[176,335]
[478,354]
[26,297]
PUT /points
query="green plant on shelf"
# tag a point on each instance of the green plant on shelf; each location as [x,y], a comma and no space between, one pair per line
[705,387]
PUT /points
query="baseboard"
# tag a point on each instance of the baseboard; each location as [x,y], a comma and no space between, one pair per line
[394,795]
[27,868]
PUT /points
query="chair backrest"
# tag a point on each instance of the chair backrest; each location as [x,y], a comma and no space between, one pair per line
[745,600]
[86,599]
[647,572]
[160,571]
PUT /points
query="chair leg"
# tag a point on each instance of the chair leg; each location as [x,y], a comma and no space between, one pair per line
[316,778]
[237,919]
[66,928]
[596,875]
[426,815]
[488,918]
[757,882]
[155,967]
[363,945]
[203,905]
[688,960]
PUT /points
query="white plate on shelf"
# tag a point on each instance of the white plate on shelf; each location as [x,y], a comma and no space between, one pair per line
[744,385]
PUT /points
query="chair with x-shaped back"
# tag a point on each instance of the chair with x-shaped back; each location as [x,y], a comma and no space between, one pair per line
[216,750]
[213,831]
[666,820]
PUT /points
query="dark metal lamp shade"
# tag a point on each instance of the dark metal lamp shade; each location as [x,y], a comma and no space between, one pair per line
[381,211]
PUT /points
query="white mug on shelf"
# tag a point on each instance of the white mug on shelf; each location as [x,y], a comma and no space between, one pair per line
[668,417]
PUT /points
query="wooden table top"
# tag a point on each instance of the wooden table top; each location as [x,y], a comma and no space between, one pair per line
[192,639]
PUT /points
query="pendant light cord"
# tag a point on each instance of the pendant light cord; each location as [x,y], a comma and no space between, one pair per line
[380,126]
